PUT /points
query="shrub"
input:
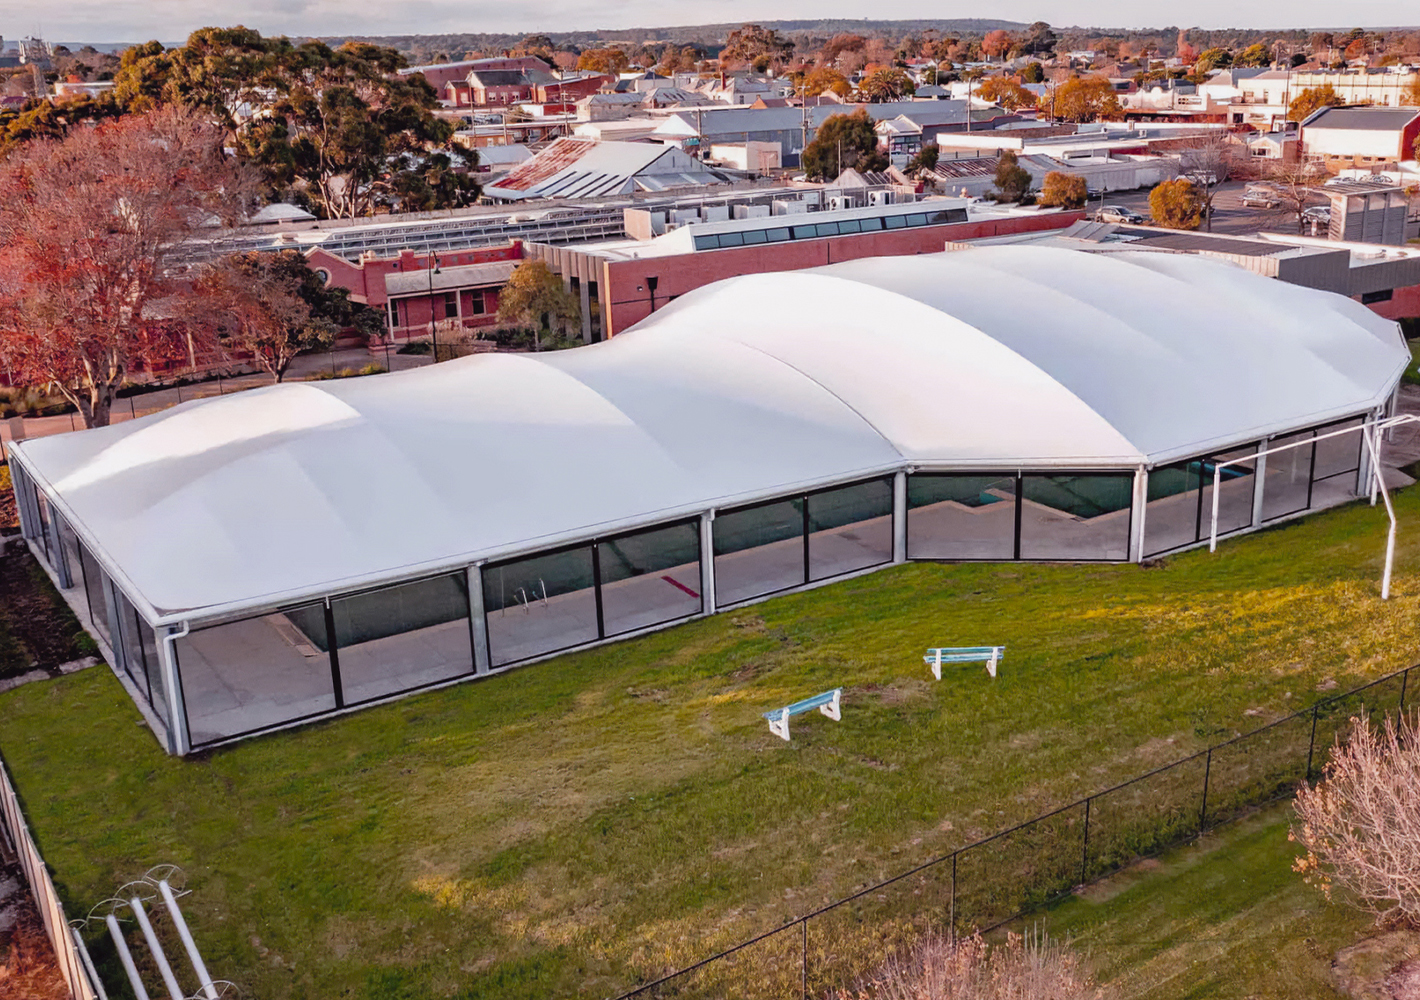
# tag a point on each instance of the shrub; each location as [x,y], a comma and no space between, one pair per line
[1176,204]
[1012,179]
[1030,967]
[1361,824]
[1063,190]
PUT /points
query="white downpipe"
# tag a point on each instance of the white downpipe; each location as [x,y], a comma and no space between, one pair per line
[198,966]
[124,956]
[89,970]
[1213,529]
[177,714]
[164,969]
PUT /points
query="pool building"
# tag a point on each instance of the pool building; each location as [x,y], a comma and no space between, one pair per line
[283,554]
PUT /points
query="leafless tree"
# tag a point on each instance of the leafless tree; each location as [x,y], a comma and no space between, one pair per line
[1361,824]
[1209,161]
[1029,967]
[1295,187]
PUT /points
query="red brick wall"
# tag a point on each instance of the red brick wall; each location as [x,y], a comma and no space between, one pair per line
[1405,302]
[365,280]
[685,272]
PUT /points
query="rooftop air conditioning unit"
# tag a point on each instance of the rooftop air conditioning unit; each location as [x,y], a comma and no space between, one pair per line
[879,197]
[838,202]
[787,207]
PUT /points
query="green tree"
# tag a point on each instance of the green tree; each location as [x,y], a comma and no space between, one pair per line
[432,181]
[843,141]
[1086,99]
[758,46]
[1012,179]
[1005,92]
[1063,190]
[534,296]
[609,61]
[1211,59]
[1254,55]
[1034,72]
[825,80]
[926,159]
[1176,204]
[887,84]
[1312,100]
[1040,40]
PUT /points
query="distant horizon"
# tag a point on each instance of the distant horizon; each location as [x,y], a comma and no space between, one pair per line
[130,22]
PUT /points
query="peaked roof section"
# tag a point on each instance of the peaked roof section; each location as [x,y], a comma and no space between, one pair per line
[995,358]
[585,168]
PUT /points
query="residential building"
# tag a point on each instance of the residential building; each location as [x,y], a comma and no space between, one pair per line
[1263,100]
[1341,138]
[1388,87]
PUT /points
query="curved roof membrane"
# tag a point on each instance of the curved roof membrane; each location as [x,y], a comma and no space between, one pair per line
[1000,357]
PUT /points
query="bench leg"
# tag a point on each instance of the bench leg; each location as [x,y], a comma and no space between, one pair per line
[937,665]
[991,664]
[781,727]
[832,709]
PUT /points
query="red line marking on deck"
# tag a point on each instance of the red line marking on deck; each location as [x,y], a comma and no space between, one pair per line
[677,583]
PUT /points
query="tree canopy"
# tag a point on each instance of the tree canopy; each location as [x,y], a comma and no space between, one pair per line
[887,84]
[87,239]
[1176,204]
[761,48]
[843,141]
[1063,190]
[1012,180]
[609,61]
[534,296]
[1004,91]
[1312,100]
[1086,99]
[825,80]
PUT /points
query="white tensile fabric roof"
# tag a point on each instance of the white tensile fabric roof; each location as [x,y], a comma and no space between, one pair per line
[999,357]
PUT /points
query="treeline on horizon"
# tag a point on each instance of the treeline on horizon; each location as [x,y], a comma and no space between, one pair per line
[808,34]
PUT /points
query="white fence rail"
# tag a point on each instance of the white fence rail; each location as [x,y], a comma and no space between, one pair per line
[51,911]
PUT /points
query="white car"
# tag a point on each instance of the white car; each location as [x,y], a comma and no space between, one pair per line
[1318,213]
[1118,213]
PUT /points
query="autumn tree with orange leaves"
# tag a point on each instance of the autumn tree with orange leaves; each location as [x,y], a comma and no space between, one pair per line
[89,233]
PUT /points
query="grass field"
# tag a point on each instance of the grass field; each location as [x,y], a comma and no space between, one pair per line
[1226,918]
[588,822]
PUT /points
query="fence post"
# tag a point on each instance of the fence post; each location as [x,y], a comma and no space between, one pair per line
[1203,810]
[1085,851]
[806,958]
[1404,680]
[1311,747]
[952,912]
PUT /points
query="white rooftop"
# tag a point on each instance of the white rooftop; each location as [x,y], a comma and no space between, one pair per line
[997,358]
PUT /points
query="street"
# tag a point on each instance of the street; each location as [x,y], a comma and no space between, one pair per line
[1230,216]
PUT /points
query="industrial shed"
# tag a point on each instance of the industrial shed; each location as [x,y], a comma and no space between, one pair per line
[287,553]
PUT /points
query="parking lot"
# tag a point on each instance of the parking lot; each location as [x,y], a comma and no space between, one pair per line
[1229,214]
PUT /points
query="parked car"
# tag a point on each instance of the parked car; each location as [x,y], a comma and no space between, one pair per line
[1318,213]
[1118,213]
[1260,196]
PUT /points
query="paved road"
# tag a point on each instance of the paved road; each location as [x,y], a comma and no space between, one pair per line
[1230,216]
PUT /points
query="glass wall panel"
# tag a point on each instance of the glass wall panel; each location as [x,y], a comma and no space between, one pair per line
[759,550]
[1286,486]
[96,592]
[129,648]
[1338,462]
[1174,506]
[24,493]
[255,673]
[46,526]
[850,528]
[961,516]
[540,605]
[1235,491]
[157,683]
[402,637]
[650,577]
[69,553]
[1079,516]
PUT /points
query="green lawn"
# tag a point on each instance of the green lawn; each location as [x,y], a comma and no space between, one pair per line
[1226,918]
[580,824]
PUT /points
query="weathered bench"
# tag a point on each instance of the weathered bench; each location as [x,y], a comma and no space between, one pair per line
[992,655]
[827,703]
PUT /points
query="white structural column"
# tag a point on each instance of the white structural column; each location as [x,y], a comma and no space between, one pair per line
[477,619]
[1259,483]
[707,562]
[899,517]
[1141,509]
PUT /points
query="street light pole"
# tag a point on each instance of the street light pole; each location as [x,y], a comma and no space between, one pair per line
[433,329]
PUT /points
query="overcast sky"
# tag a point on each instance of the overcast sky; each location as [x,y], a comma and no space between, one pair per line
[171,20]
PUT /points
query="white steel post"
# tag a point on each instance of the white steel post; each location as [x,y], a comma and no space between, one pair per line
[179,739]
[478,620]
[1141,507]
[1259,484]
[899,517]
[707,563]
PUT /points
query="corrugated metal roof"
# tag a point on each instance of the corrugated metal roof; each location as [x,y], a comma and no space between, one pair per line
[583,168]
[449,278]
[1365,119]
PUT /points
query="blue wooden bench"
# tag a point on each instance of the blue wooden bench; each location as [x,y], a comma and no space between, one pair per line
[827,703]
[991,655]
